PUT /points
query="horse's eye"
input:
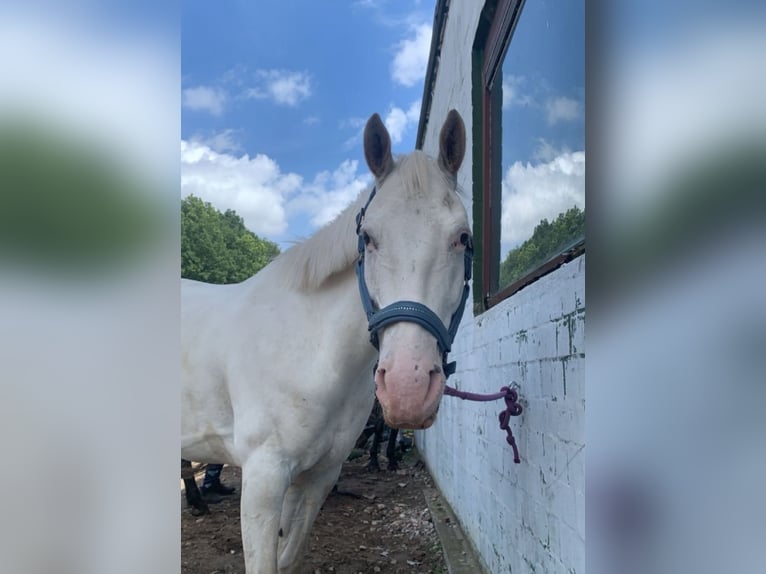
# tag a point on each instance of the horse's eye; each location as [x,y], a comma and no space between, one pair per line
[366,238]
[465,239]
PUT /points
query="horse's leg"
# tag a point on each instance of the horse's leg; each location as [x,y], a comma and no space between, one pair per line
[364,437]
[193,495]
[303,503]
[373,465]
[391,449]
[264,483]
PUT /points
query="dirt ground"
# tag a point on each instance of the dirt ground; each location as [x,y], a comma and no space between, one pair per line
[376,523]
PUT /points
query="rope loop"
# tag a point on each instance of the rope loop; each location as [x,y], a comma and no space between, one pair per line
[512,409]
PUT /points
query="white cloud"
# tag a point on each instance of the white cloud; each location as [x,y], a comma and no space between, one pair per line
[356,124]
[330,192]
[284,87]
[533,192]
[263,195]
[546,151]
[398,120]
[562,109]
[514,92]
[311,120]
[204,98]
[353,123]
[222,142]
[254,187]
[411,59]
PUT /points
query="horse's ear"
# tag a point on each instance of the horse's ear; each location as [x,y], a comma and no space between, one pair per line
[452,142]
[377,147]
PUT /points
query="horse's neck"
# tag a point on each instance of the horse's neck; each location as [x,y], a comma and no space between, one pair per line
[307,266]
[333,315]
[345,321]
[317,286]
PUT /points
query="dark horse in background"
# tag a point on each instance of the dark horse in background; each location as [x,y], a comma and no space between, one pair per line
[376,426]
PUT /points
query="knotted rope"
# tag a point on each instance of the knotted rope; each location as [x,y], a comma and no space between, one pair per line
[512,409]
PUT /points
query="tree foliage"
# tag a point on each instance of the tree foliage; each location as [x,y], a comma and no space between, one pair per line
[548,239]
[217,247]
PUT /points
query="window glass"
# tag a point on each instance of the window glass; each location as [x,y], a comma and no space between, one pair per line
[543,137]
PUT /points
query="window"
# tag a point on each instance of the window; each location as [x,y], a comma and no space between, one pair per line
[529,169]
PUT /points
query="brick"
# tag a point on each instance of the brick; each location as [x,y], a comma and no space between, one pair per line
[572,373]
[553,535]
[572,553]
[580,514]
[533,418]
[561,497]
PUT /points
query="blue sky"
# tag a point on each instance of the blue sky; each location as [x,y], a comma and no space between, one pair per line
[276,94]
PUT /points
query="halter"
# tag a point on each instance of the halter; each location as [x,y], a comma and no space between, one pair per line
[410,311]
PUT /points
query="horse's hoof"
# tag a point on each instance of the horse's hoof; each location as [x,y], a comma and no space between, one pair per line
[373,467]
[393,466]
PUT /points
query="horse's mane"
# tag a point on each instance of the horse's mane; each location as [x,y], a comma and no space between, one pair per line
[308,264]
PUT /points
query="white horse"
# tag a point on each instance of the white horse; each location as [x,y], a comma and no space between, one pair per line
[277,370]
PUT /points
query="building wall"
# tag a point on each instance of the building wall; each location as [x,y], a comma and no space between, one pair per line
[526,517]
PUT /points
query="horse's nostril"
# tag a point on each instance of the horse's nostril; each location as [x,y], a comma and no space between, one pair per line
[435,381]
[380,376]
[435,371]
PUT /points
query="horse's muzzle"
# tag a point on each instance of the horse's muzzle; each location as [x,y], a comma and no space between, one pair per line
[409,393]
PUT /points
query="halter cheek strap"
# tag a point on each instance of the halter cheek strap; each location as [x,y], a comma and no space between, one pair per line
[411,311]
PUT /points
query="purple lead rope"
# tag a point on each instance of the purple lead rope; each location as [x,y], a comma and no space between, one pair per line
[512,409]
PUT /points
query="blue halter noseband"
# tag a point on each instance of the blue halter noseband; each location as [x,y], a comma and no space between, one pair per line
[411,311]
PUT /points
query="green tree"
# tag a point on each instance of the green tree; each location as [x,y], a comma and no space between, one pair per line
[548,239]
[217,247]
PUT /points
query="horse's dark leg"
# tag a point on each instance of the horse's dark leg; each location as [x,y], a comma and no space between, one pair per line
[391,449]
[372,424]
[364,437]
[373,465]
[193,495]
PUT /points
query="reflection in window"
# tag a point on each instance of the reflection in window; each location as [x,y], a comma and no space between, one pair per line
[543,138]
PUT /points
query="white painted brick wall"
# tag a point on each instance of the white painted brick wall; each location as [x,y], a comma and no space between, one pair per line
[527,517]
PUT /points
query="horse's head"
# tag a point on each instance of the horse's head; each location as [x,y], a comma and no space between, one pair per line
[414,237]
